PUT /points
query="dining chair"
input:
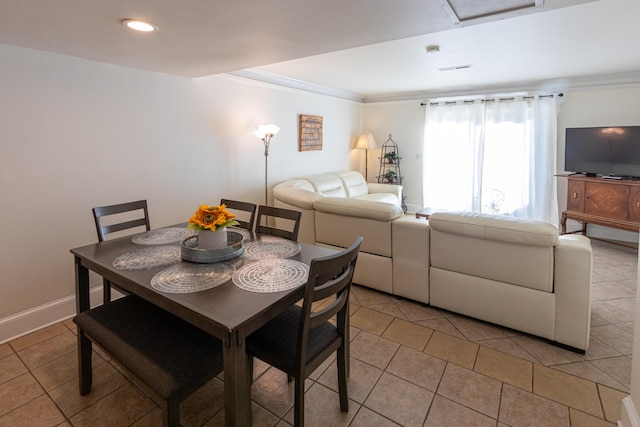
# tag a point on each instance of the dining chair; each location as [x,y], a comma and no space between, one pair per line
[119,219]
[277,215]
[299,340]
[172,357]
[246,207]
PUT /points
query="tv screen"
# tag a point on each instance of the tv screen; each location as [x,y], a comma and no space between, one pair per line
[605,151]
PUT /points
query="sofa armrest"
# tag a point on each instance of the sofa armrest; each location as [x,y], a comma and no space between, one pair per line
[386,188]
[358,208]
[297,197]
[572,286]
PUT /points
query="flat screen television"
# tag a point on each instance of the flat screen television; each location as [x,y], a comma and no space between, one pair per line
[603,151]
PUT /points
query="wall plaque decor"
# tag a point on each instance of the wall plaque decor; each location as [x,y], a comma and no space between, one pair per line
[310,133]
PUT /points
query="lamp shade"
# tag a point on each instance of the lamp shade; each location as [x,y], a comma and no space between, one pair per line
[366,142]
[263,130]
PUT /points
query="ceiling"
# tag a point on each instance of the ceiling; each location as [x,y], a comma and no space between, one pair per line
[360,49]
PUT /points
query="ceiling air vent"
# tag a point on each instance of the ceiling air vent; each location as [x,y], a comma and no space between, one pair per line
[455,67]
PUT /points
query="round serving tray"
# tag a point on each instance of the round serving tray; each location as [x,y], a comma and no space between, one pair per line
[190,252]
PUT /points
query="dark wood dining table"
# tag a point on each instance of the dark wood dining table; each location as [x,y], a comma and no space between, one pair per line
[225,311]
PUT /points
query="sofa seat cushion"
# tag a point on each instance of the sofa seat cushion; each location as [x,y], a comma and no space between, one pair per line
[380,197]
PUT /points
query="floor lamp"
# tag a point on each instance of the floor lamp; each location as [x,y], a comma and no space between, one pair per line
[366,142]
[265,133]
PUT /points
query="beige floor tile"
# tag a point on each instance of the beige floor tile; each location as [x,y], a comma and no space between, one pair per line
[415,311]
[442,325]
[471,389]
[619,368]
[59,371]
[507,345]
[407,333]
[362,378]
[626,326]
[11,367]
[504,367]
[374,350]
[452,349]
[546,353]
[400,401]
[273,392]
[475,330]
[366,296]
[614,311]
[417,367]
[524,409]
[38,336]
[203,404]
[151,419]
[598,349]
[590,372]
[106,379]
[611,402]
[615,337]
[123,407]
[566,389]
[580,419]
[17,392]
[390,309]
[41,411]
[322,408]
[5,350]
[371,321]
[446,413]
[50,349]
[367,418]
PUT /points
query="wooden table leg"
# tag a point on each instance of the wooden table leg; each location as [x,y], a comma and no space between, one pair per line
[237,384]
[83,303]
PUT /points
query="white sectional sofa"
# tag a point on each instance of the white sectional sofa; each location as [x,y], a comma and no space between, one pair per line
[516,273]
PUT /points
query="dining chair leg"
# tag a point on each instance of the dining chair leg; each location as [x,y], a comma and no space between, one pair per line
[298,410]
[171,413]
[342,378]
[106,291]
[84,363]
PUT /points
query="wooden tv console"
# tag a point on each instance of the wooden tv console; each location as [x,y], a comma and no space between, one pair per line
[602,201]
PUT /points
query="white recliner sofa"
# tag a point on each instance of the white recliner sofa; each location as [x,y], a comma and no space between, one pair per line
[516,273]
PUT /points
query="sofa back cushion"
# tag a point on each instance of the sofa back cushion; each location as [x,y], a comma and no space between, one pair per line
[504,249]
[354,183]
[328,184]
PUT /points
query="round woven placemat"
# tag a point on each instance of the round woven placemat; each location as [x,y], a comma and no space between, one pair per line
[270,248]
[271,275]
[162,236]
[187,277]
[148,258]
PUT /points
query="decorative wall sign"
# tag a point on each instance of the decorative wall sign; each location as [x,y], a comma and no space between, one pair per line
[310,133]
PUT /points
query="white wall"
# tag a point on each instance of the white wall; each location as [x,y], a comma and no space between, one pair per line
[75,134]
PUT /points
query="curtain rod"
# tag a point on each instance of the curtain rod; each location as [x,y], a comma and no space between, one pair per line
[470,101]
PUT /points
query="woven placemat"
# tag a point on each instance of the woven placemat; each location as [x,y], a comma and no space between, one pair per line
[271,247]
[271,275]
[162,236]
[148,258]
[187,277]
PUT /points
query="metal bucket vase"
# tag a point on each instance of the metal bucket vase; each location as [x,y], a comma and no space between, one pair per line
[208,239]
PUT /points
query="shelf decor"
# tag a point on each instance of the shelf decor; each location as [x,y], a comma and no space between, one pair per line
[390,166]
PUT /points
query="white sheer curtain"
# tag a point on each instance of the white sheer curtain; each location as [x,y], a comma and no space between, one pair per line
[492,156]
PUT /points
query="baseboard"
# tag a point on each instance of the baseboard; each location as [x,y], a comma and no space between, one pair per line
[20,324]
[629,415]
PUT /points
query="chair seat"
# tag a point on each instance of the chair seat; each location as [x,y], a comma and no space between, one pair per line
[276,342]
[171,356]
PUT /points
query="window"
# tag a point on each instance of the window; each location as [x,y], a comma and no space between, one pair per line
[492,156]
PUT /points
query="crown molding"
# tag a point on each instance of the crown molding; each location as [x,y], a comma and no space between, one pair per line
[288,82]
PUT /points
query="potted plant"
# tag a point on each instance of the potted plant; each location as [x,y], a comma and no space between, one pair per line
[390,157]
[389,176]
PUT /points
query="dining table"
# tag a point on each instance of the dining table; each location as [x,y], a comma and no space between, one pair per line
[229,299]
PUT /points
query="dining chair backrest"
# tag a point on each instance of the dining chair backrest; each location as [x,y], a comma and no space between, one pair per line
[245,209]
[114,218]
[120,214]
[278,222]
[299,340]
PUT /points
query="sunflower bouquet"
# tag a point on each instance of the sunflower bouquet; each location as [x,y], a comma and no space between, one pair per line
[211,218]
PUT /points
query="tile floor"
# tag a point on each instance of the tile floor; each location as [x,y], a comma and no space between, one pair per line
[411,366]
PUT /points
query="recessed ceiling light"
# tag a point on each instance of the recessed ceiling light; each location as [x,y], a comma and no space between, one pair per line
[455,67]
[138,25]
